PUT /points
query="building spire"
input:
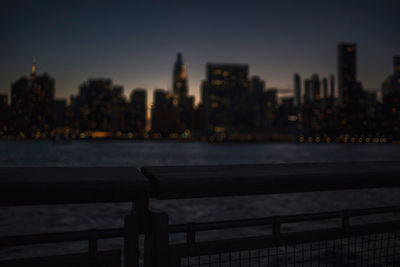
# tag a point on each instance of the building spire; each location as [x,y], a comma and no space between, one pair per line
[180,84]
[33,70]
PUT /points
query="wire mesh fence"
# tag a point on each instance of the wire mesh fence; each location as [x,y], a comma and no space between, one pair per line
[377,249]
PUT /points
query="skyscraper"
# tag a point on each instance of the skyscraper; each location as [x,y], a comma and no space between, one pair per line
[325,84]
[225,97]
[307,91]
[180,84]
[32,104]
[316,87]
[332,82]
[138,103]
[347,72]
[391,99]
[297,90]
[396,65]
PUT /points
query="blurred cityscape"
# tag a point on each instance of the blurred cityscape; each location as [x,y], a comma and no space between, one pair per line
[233,107]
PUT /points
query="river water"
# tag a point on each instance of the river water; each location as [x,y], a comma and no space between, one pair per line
[24,220]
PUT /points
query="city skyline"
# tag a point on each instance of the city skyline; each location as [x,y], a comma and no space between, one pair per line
[137,50]
[289,91]
[234,106]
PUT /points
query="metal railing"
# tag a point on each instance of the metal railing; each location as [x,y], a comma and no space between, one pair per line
[344,244]
[341,245]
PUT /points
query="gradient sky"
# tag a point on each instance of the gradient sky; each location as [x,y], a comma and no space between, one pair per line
[135,42]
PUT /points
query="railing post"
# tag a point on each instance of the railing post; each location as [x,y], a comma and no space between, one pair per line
[131,241]
[276,226]
[156,241]
[92,249]
[345,221]
[135,223]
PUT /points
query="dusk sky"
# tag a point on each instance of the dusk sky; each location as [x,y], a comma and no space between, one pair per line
[135,43]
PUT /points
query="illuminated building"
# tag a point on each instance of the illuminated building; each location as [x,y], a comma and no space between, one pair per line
[352,97]
[391,85]
[325,85]
[180,83]
[4,114]
[347,72]
[138,106]
[391,100]
[225,95]
[308,94]
[297,90]
[60,107]
[32,105]
[315,88]
[332,83]
[165,119]
[256,104]
[3,101]
[99,107]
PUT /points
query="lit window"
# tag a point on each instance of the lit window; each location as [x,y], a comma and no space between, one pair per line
[217,72]
[214,105]
[219,129]
[216,82]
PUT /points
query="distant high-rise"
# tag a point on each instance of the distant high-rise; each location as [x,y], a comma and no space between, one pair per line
[139,105]
[180,84]
[347,72]
[391,99]
[33,69]
[332,82]
[325,85]
[226,93]
[316,87]
[391,85]
[164,114]
[160,98]
[396,65]
[32,103]
[99,107]
[307,91]
[297,90]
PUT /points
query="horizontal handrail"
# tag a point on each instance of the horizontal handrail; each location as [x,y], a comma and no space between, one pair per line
[65,185]
[255,242]
[19,240]
[217,225]
[174,182]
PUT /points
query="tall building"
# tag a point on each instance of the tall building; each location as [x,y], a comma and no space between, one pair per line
[325,85]
[297,90]
[138,103]
[4,114]
[347,72]
[391,100]
[308,93]
[332,82]
[99,107]
[60,107]
[396,65]
[352,98]
[32,104]
[225,95]
[164,114]
[316,87]
[180,83]
[271,97]
[391,85]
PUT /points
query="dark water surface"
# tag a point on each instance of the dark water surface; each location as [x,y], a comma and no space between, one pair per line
[23,220]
